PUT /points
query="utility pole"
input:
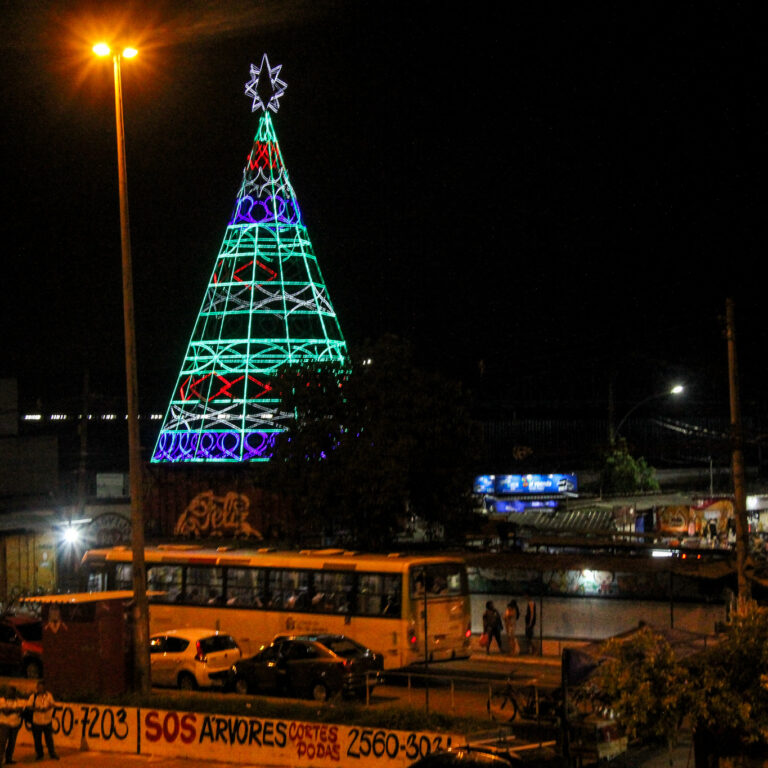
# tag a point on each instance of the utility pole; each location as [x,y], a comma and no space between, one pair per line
[737,462]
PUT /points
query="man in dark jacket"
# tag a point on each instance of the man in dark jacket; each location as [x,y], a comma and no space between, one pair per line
[492,625]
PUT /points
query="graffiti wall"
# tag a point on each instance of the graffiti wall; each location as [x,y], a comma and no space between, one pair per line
[196,503]
[240,739]
[586,582]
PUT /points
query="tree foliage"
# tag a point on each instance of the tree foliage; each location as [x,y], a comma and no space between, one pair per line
[732,678]
[375,444]
[723,691]
[622,473]
[648,688]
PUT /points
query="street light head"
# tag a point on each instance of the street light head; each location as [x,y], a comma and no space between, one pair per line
[677,389]
[102,49]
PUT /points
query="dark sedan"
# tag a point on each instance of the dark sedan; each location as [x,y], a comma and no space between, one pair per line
[318,666]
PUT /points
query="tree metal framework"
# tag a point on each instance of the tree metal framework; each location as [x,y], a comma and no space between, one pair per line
[266,306]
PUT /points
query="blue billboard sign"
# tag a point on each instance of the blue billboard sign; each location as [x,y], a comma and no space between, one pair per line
[525,484]
[484,484]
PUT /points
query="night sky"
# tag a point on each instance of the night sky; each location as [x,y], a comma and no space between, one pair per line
[563,194]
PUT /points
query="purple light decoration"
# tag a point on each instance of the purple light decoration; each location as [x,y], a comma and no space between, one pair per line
[274,209]
[214,446]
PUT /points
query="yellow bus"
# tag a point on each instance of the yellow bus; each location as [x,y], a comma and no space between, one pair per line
[253,595]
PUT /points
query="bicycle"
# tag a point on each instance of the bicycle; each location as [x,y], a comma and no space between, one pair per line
[526,701]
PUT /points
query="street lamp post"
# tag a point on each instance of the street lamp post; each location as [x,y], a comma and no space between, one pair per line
[676,390]
[140,601]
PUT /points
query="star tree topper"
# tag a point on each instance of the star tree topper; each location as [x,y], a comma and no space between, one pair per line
[277,86]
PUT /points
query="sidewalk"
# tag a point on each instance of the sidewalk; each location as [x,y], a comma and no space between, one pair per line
[549,658]
[25,755]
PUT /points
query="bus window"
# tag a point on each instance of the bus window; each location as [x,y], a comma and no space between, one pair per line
[123,576]
[97,581]
[378,594]
[332,592]
[296,590]
[165,579]
[245,586]
[274,593]
[204,585]
[417,582]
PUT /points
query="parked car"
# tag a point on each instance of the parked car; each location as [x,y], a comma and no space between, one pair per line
[189,657]
[318,666]
[21,645]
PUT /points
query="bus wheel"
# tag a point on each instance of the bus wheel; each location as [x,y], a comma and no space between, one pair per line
[320,692]
[187,682]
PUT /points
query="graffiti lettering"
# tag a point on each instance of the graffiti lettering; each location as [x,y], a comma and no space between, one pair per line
[237,730]
[173,727]
[103,723]
[315,741]
[209,515]
[368,743]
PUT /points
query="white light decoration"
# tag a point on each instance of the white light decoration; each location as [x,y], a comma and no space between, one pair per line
[278,86]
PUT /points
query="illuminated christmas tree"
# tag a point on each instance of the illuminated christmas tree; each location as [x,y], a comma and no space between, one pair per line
[266,307]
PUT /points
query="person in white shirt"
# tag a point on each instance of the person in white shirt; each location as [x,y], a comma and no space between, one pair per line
[14,708]
[41,702]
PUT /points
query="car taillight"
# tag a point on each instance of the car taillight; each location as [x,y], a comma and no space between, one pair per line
[199,655]
[468,633]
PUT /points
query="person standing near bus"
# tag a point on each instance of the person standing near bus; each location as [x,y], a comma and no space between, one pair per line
[41,703]
[492,626]
[530,622]
[511,615]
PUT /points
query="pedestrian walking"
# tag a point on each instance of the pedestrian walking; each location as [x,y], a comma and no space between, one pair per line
[492,626]
[15,706]
[5,725]
[41,703]
[530,622]
[511,615]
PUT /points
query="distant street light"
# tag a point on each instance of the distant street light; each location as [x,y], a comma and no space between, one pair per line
[140,601]
[675,390]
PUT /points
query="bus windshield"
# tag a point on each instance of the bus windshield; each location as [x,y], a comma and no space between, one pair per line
[442,580]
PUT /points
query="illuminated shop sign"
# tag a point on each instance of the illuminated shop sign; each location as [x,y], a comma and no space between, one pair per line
[501,507]
[525,484]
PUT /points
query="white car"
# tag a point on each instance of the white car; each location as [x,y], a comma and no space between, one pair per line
[186,657]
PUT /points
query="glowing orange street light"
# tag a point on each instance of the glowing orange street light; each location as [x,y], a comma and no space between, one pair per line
[140,602]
